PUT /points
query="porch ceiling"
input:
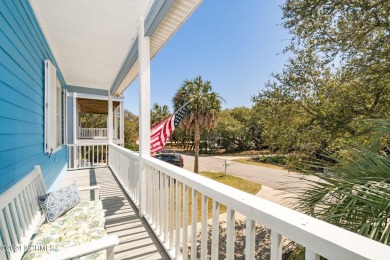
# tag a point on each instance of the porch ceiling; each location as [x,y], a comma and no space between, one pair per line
[94,106]
[92,39]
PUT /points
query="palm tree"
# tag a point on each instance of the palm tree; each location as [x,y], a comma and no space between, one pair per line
[159,113]
[202,112]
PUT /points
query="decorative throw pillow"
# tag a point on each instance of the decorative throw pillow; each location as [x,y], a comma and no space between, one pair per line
[56,203]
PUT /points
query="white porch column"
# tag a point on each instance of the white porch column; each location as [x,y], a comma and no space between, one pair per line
[75,115]
[122,124]
[144,108]
[110,119]
[116,123]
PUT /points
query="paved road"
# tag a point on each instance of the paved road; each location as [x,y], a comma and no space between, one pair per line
[274,178]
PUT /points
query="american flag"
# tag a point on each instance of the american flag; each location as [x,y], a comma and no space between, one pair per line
[162,130]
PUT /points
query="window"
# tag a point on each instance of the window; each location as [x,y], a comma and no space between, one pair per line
[53,110]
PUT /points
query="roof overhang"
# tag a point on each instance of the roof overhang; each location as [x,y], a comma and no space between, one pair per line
[95,42]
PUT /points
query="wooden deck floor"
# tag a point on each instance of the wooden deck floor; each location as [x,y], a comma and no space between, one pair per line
[136,240]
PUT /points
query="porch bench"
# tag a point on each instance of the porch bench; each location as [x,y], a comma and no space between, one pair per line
[79,233]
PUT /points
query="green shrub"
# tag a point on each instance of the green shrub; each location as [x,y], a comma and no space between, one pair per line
[275,159]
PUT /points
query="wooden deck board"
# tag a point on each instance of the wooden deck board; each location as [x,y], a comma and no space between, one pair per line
[136,240]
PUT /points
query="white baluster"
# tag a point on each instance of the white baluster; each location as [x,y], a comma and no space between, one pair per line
[215,230]
[276,246]
[250,239]
[203,240]
[194,213]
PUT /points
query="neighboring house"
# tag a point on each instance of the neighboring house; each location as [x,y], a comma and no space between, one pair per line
[62,57]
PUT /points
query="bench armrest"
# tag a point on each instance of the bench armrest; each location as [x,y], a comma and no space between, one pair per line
[106,243]
[95,188]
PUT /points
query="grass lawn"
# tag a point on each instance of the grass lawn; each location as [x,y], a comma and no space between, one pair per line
[229,180]
[249,161]
[233,181]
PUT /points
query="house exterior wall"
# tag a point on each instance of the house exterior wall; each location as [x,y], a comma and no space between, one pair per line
[23,50]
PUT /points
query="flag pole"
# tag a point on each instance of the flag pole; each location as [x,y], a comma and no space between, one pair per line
[173,113]
[188,102]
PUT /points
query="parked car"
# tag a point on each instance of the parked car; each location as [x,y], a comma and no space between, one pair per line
[172,158]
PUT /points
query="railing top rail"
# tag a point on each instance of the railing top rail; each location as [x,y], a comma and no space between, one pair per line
[87,144]
[92,128]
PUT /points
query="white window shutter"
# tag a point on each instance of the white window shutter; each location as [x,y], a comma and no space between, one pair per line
[50,107]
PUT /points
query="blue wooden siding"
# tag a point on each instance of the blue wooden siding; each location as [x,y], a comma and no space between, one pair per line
[23,49]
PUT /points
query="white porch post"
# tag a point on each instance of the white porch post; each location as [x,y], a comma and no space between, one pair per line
[75,129]
[75,115]
[144,109]
[122,124]
[110,119]
[116,123]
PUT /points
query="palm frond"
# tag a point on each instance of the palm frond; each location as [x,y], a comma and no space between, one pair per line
[354,194]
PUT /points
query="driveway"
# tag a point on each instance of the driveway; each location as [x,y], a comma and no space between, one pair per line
[280,180]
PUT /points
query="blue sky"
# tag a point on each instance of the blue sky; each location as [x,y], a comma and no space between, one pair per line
[235,45]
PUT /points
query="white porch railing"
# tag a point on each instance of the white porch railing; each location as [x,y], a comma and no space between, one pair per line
[92,133]
[82,156]
[124,164]
[167,184]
